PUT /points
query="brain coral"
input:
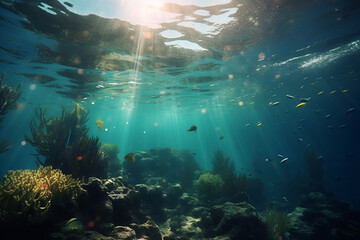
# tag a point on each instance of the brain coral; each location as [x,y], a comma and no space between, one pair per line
[27,195]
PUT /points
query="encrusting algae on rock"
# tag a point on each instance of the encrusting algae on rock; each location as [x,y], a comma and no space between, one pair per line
[27,195]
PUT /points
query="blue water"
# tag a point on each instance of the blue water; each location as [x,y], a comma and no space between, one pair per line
[148,93]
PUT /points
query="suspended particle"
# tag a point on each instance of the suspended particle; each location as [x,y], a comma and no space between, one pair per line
[32,87]
[241,103]
[80,71]
[277,76]
[23,143]
[230,76]
[203,111]
[261,56]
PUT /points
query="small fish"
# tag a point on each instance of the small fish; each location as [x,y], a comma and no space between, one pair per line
[281,156]
[290,96]
[305,99]
[332,92]
[321,92]
[99,124]
[319,157]
[300,139]
[221,137]
[350,110]
[308,146]
[300,104]
[252,103]
[73,226]
[285,199]
[130,157]
[247,125]
[327,116]
[284,160]
[259,124]
[344,91]
[274,103]
[193,128]
[343,126]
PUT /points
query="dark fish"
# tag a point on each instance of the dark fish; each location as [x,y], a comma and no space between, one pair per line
[130,157]
[192,128]
[221,138]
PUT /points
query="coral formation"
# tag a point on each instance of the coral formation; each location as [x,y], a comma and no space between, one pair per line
[64,143]
[277,223]
[8,97]
[209,186]
[27,195]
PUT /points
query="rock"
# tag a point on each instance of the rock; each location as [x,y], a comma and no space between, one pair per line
[127,206]
[147,230]
[153,199]
[94,204]
[123,233]
[173,194]
[235,221]
[321,217]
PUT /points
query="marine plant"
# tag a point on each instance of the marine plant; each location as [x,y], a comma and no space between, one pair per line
[209,186]
[27,195]
[112,151]
[64,143]
[277,223]
[234,183]
[8,97]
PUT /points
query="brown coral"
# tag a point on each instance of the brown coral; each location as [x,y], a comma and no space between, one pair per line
[27,195]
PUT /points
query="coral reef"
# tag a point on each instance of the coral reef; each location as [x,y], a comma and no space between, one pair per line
[277,223]
[321,217]
[209,186]
[64,143]
[169,165]
[8,97]
[27,195]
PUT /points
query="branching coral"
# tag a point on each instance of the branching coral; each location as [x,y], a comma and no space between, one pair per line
[27,195]
[8,97]
[277,223]
[64,143]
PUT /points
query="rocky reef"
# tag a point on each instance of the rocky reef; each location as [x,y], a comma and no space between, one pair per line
[151,200]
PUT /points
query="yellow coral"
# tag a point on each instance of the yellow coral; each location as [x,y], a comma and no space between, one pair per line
[28,194]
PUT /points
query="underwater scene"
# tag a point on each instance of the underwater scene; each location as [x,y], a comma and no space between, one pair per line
[180,119]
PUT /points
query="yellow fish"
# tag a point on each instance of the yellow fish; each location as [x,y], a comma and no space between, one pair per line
[301,104]
[99,124]
[344,91]
[333,92]
[321,92]
[259,124]
[252,103]
[130,157]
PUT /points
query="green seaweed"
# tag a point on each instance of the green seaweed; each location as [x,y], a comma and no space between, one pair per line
[64,143]
[8,98]
[234,183]
[209,186]
[277,223]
